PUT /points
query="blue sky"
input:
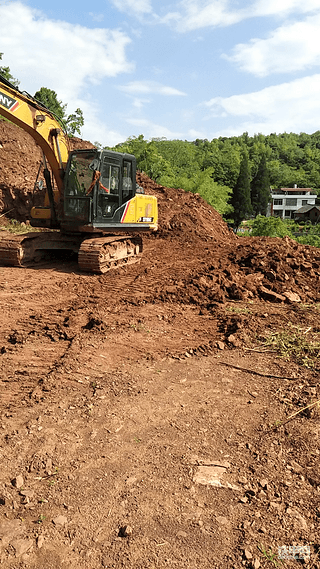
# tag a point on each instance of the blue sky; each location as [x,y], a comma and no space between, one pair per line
[176,69]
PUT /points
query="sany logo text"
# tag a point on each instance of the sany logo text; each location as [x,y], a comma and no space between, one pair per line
[8,102]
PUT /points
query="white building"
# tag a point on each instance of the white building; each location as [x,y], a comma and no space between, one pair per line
[285,201]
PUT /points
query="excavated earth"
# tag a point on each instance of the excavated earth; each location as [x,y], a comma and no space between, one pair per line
[147,419]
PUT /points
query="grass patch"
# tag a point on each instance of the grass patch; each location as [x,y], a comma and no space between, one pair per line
[295,343]
[17,227]
[237,310]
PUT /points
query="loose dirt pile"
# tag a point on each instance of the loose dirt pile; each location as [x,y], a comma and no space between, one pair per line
[143,412]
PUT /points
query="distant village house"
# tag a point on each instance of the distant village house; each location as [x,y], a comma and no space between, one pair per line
[286,202]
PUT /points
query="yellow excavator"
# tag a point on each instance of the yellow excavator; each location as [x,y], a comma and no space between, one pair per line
[91,203]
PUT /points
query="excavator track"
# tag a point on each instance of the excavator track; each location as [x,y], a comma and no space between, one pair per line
[99,255]
[17,250]
[95,255]
[25,250]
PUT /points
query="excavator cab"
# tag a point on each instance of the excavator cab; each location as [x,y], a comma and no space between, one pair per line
[100,192]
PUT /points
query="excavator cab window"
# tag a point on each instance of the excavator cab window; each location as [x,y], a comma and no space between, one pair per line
[79,177]
[109,188]
[127,184]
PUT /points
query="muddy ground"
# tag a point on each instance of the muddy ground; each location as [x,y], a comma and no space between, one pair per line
[146,414]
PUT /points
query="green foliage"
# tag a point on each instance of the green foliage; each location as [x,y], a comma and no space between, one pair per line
[215,194]
[311,238]
[14,226]
[260,188]
[212,168]
[49,99]
[240,198]
[5,72]
[177,164]
[72,123]
[270,227]
[296,343]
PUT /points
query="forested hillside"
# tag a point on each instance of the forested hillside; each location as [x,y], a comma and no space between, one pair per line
[212,168]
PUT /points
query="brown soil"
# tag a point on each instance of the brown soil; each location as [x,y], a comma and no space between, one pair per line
[118,391]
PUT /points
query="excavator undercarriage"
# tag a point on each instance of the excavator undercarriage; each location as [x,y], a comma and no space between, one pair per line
[95,254]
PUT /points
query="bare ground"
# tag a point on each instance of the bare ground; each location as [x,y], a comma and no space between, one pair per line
[143,412]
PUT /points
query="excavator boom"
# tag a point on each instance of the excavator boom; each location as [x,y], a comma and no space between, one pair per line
[40,123]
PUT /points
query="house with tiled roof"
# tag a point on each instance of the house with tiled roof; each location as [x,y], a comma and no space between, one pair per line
[285,201]
[308,213]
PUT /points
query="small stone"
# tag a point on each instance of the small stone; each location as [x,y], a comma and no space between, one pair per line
[220,345]
[21,546]
[292,296]
[299,518]
[125,531]
[60,520]
[40,541]
[27,493]
[222,520]
[256,564]
[263,483]
[268,294]
[234,341]
[242,480]
[296,467]
[247,554]
[182,534]
[18,481]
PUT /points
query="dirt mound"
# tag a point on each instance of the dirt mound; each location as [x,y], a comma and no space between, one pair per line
[276,270]
[186,215]
[203,262]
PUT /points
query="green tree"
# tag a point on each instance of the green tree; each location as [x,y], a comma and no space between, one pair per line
[5,72]
[260,188]
[49,99]
[215,194]
[240,197]
[270,227]
[72,123]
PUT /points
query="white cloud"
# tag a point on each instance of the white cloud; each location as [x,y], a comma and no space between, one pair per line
[139,103]
[196,14]
[291,107]
[137,6]
[147,87]
[56,54]
[289,48]
[274,7]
